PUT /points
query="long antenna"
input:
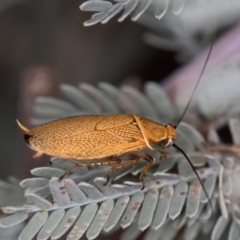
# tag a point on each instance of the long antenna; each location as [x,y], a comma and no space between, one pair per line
[194,90]
[193,168]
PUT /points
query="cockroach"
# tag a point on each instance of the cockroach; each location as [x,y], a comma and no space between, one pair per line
[103,139]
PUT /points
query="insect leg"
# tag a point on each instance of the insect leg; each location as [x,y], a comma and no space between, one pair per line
[163,154]
[145,169]
[105,161]
[128,163]
[38,154]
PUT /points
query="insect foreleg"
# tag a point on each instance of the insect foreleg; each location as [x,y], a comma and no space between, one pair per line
[105,161]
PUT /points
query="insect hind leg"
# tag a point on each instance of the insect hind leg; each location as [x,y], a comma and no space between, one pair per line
[105,161]
[134,159]
[128,163]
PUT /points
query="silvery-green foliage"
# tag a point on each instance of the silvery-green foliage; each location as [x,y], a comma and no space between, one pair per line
[107,10]
[172,199]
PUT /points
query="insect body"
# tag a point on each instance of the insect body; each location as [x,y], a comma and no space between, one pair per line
[106,137]
[97,136]
[103,137]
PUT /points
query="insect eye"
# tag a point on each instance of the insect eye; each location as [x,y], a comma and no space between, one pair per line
[170,142]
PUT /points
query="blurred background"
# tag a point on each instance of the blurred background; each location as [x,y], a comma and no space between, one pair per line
[44,43]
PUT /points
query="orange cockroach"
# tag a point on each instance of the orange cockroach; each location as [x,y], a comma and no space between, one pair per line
[106,138]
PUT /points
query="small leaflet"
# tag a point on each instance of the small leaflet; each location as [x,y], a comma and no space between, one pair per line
[161,9]
[207,211]
[143,103]
[105,102]
[53,104]
[140,9]
[83,222]
[191,232]
[167,164]
[228,162]
[50,224]
[208,226]
[131,233]
[219,228]
[106,190]
[190,131]
[76,96]
[222,203]
[197,215]
[12,209]
[234,125]
[38,201]
[234,232]
[44,192]
[178,6]
[164,202]
[66,222]
[132,209]
[129,7]
[213,137]
[110,90]
[159,97]
[170,232]
[96,18]
[121,99]
[59,192]
[33,182]
[13,219]
[100,219]
[193,199]
[227,183]
[178,200]
[116,213]
[73,191]
[209,184]
[33,226]
[213,162]
[185,169]
[183,141]
[153,234]
[91,191]
[148,208]
[95,6]
[47,172]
